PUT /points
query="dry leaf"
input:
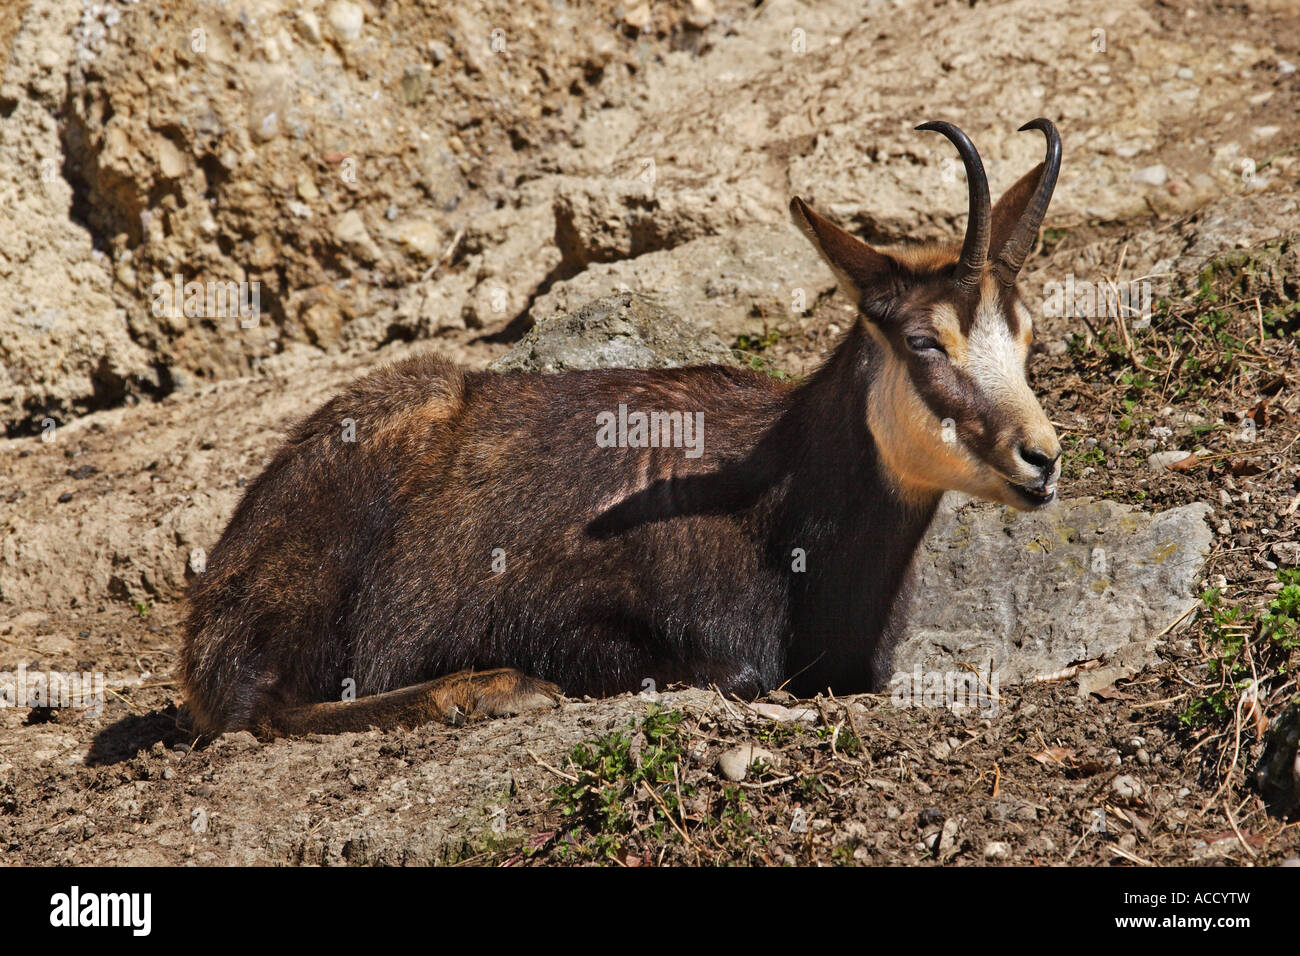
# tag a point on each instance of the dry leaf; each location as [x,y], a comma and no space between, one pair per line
[1184,464]
[1252,711]
[1057,755]
[1111,692]
[1259,414]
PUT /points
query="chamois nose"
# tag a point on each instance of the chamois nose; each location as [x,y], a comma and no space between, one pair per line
[1038,458]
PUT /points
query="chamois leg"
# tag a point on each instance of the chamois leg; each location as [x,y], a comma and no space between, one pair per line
[451,699]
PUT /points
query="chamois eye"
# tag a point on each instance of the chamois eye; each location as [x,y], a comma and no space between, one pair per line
[923,343]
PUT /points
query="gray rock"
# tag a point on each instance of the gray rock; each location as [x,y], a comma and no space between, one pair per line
[1287,552]
[717,282]
[1030,593]
[735,763]
[604,219]
[1278,773]
[784,715]
[625,330]
[946,845]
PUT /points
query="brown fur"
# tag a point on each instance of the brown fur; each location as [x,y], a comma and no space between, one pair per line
[781,555]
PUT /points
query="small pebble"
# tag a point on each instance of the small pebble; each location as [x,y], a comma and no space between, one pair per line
[347,19]
[997,850]
[735,763]
[1127,787]
[1151,175]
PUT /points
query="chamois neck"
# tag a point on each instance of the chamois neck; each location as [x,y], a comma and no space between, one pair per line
[857,533]
[832,453]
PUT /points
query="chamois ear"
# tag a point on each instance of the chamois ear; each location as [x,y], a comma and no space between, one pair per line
[1010,209]
[860,269]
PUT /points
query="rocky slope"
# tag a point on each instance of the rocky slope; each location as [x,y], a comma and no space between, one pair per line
[392,177]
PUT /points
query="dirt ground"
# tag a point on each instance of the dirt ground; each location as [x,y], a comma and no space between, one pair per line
[104,516]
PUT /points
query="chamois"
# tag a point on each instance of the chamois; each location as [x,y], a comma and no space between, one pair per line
[474,550]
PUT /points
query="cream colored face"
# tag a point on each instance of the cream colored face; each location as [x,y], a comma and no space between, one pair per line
[951,408]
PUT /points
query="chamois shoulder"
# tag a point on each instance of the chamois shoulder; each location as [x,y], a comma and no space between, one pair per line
[687,387]
[707,376]
[426,387]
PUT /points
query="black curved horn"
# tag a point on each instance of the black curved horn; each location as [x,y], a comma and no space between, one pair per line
[1015,250]
[975,248]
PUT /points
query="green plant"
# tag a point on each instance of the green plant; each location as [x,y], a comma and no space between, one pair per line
[1077,461]
[748,349]
[1236,635]
[757,343]
[612,779]
[1280,623]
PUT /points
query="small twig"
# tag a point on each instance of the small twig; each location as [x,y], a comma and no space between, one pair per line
[1131,857]
[1240,839]
[1075,849]
[731,712]
[445,257]
[1178,620]
[667,813]
[835,732]
[129,706]
[542,763]
[22,647]
[1119,318]
[1157,703]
